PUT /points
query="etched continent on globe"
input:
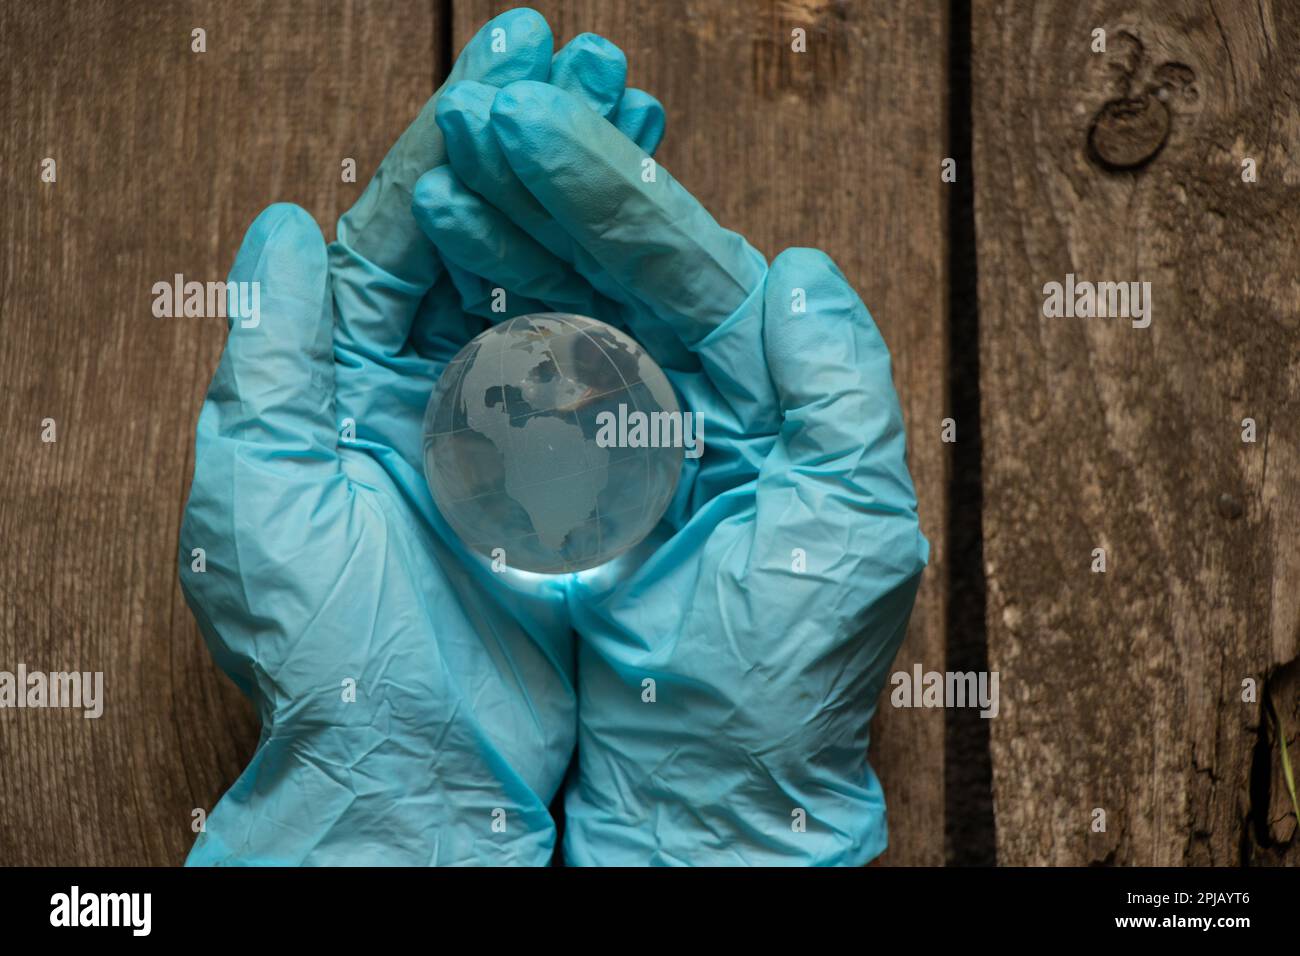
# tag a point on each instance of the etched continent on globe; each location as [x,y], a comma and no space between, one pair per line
[511,451]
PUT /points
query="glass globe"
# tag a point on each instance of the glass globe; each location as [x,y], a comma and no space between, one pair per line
[556,439]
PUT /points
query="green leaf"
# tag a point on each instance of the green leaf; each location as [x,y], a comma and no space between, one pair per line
[1286,758]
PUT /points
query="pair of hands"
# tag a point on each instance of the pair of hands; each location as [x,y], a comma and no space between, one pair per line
[418,708]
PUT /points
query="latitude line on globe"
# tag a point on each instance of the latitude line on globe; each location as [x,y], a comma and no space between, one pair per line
[541,411]
[545,481]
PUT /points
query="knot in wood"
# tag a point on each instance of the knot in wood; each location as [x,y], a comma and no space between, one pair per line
[1128,133]
[1230,507]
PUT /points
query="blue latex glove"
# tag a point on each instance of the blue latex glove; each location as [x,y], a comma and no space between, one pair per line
[769,608]
[416,708]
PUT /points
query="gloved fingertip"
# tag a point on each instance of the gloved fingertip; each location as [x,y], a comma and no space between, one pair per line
[284,222]
[810,308]
[431,187]
[434,201]
[814,273]
[515,45]
[282,238]
[640,117]
[795,258]
[466,96]
[520,23]
[523,109]
[463,110]
[521,96]
[593,44]
[593,69]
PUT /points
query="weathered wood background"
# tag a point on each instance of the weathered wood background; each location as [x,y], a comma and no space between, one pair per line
[1124,690]
[1121,691]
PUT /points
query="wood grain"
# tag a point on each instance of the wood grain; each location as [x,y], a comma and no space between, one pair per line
[839,148]
[1123,690]
[164,156]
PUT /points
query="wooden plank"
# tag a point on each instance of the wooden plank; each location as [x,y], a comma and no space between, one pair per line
[1123,691]
[164,156]
[839,148]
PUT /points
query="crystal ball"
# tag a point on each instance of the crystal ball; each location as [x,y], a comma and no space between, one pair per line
[553,443]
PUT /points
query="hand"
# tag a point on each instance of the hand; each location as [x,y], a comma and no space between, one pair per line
[413,703]
[768,611]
